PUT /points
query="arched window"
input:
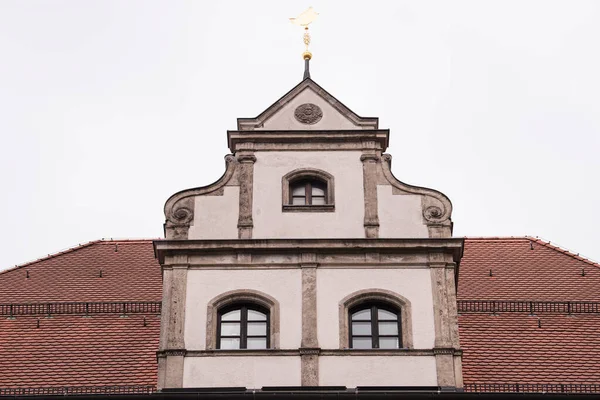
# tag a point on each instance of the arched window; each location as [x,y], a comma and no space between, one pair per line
[308,190]
[375,319]
[242,319]
[243,326]
[375,326]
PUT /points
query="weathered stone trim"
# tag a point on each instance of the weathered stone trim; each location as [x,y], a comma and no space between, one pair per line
[172,372]
[444,365]
[242,353]
[162,371]
[241,296]
[453,246]
[179,208]
[441,310]
[377,352]
[172,343]
[171,352]
[307,173]
[246,179]
[258,122]
[329,140]
[320,352]
[173,308]
[371,220]
[275,266]
[436,206]
[447,357]
[308,208]
[368,295]
[458,374]
[309,368]
[309,306]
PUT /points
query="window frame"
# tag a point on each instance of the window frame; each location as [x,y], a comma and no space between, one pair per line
[243,336]
[237,297]
[374,321]
[310,175]
[375,295]
[308,184]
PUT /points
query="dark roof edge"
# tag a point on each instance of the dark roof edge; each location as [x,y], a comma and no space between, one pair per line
[75,248]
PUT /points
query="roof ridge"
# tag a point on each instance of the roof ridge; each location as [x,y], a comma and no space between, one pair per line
[496,237]
[563,250]
[72,249]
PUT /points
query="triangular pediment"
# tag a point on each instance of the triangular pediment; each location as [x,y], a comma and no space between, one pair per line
[307,107]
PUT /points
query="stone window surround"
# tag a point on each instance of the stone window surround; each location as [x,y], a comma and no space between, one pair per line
[308,173]
[241,296]
[381,296]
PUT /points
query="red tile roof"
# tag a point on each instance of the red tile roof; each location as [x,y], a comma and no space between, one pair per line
[106,349]
[72,350]
[129,273]
[525,269]
[513,348]
[510,347]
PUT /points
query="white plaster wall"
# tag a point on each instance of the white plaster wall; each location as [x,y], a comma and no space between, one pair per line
[216,217]
[204,285]
[335,284]
[352,371]
[249,372]
[345,222]
[284,119]
[400,216]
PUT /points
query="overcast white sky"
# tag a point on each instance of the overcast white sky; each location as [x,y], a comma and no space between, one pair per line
[109,107]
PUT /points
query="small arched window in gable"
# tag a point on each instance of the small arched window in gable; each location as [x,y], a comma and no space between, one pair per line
[308,190]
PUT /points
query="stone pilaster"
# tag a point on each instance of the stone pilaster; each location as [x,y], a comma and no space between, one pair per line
[371,222]
[246,160]
[309,350]
[309,367]
[446,348]
[172,343]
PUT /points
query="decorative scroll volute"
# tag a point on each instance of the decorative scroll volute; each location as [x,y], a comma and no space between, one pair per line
[437,208]
[180,208]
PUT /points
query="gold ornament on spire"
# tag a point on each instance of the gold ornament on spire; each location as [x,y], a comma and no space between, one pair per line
[305,19]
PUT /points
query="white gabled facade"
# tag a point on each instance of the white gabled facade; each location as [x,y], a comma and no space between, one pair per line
[367,242]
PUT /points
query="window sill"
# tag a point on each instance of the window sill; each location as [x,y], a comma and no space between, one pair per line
[310,208]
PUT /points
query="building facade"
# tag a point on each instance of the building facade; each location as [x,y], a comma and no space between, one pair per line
[308,263]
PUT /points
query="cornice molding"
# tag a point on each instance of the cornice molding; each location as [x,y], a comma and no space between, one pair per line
[268,140]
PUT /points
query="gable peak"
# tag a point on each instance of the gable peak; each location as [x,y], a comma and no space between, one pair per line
[307,106]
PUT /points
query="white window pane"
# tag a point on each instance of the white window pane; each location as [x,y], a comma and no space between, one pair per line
[231,316]
[361,328]
[383,314]
[230,329]
[388,343]
[298,201]
[257,329]
[256,316]
[361,343]
[388,328]
[318,201]
[317,191]
[257,343]
[230,343]
[299,190]
[363,315]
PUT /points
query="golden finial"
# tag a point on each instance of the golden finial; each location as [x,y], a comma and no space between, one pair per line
[304,20]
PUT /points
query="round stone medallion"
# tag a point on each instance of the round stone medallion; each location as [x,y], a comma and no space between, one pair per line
[308,113]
